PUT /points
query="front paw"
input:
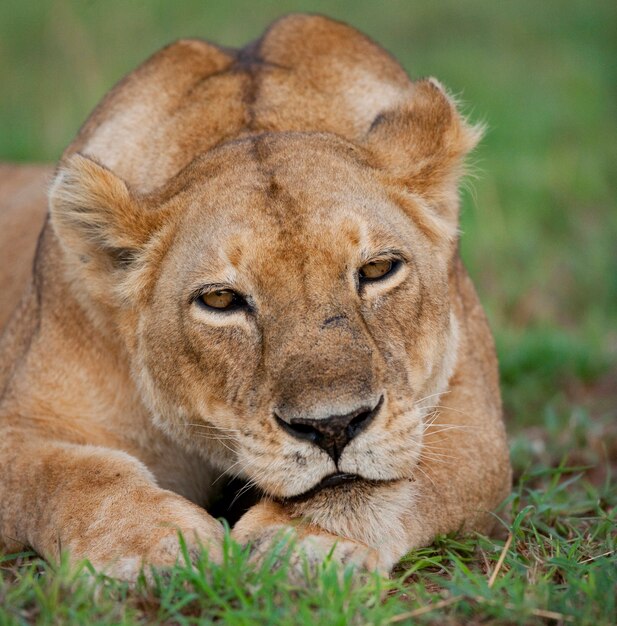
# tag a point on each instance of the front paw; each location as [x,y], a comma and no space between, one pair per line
[163,554]
[306,549]
[273,538]
[136,543]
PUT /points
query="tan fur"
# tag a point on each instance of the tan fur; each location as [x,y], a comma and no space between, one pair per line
[277,171]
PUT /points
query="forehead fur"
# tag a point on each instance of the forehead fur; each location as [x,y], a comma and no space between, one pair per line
[298,191]
[285,186]
[266,163]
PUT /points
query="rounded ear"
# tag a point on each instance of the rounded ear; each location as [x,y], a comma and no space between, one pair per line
[102,226]
[423,143]
[95,216]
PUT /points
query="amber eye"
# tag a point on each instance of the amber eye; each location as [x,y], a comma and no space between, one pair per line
[222,300]
[374,270]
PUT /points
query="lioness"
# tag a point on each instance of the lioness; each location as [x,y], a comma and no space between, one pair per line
[248,267]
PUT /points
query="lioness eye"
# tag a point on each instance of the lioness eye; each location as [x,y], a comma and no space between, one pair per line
[374,270]
[222,299]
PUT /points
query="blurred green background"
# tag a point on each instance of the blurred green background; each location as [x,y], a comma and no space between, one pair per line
[539,218]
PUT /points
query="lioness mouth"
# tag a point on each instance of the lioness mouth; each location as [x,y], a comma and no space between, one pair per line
[334,480]
[328,482]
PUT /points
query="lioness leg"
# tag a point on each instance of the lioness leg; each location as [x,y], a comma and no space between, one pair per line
[94,503]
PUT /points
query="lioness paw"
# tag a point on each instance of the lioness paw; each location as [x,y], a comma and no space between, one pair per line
[180,530]
[164,553]
[306,552]
[274,537]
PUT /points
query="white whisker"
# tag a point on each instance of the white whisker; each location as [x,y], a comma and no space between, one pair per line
[432,395]
[436,455]
[250,483]
[218,441]
[426,475]
[227,471]
[254,480]
[430,446]
[445,428]
[213,427]
[448,408]
[214,437]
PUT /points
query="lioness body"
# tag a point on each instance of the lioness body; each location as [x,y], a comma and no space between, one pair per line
[23,206]
[275,171]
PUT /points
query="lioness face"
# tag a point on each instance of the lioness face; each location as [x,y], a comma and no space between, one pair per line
[298,329]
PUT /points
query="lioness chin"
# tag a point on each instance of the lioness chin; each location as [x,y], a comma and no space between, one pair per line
[248,266]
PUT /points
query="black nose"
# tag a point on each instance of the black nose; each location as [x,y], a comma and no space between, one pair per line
[332,433]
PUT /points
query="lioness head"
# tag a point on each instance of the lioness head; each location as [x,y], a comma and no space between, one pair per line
[284,298]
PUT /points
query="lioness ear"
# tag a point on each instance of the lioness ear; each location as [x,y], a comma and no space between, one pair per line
[423,143]
[95,216]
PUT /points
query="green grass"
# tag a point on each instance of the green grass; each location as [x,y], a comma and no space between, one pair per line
[559,562]
[540,239]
